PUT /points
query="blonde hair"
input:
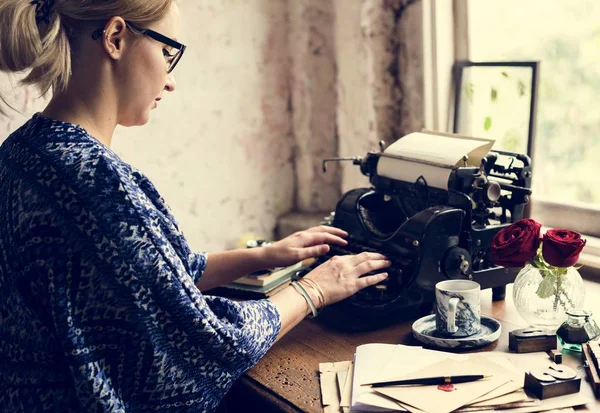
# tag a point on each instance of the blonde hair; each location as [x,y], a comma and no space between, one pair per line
[44,46]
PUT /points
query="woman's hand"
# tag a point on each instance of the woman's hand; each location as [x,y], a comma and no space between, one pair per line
[302,245]
[340,277]
[336,279]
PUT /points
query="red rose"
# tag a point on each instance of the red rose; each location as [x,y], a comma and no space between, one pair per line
[561,247]
[515,245]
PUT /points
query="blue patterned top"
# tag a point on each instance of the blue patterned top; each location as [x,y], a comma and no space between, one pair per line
[98,307]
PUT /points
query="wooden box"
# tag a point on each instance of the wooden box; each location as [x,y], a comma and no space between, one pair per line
[528,340]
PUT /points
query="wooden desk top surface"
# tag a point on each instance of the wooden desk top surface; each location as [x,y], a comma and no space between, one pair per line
[287,377]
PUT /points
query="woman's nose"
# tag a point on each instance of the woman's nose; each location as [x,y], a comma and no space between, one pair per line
[170,85]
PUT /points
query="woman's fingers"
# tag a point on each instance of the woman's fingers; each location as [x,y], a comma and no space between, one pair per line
[331,230]
[370,280]
[366,256]
[314,251]
[324,238]
[340,276]
[372,265]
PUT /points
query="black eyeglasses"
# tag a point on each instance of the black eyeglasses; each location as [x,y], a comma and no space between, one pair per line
[172,60]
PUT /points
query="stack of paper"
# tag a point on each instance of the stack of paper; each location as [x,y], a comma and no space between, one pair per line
[345,384]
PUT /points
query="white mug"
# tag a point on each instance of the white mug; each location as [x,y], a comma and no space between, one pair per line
[458,308]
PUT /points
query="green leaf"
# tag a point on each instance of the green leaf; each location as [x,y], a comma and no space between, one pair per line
[547,287]
[469,90]
[494,94]
[521,87]
[487,124]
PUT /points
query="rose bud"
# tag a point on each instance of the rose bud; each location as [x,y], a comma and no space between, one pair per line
[516,244]
[561,247]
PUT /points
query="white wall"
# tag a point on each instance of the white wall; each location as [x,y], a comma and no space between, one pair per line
[220,148]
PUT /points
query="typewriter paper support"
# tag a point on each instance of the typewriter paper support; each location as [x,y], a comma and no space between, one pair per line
[431,231]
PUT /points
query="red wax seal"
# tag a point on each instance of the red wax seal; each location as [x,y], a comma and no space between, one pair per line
[446,387]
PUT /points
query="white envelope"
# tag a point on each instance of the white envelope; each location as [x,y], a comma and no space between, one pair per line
[436,399]
[380,362]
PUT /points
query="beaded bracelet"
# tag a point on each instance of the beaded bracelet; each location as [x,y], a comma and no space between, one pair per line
[300,288]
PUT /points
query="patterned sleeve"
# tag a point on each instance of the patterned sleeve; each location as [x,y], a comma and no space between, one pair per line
[197,264]
[196,260]
[134,327]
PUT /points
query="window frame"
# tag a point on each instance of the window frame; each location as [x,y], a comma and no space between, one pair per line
[439,115]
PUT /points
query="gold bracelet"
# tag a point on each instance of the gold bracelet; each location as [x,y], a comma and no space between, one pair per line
[318,289]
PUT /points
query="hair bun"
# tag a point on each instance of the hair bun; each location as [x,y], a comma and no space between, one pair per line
[43,10]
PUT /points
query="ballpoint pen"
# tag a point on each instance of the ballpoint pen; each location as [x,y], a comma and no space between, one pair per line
[432,380]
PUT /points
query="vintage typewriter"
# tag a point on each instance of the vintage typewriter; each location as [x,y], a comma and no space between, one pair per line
[430,234]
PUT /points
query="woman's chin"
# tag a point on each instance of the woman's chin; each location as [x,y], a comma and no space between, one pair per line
[140,120]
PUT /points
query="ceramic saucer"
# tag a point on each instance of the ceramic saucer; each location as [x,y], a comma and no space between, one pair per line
[424,331]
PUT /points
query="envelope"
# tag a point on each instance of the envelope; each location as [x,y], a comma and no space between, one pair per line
[368,361]
[380,362]
[496,362]
[437,399]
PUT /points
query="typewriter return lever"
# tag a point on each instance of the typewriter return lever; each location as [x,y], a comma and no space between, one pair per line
[356,160]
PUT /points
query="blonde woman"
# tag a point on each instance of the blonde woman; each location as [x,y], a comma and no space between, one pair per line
[101,306]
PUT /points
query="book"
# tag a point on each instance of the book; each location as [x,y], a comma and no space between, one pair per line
[261,286]
[250,292]
[270,277]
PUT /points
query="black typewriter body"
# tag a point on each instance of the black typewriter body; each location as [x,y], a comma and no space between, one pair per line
[429,234]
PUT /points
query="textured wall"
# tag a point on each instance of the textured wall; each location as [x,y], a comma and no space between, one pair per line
[409,38]
[379,50]
[314,101]
[355,112]
[220,148]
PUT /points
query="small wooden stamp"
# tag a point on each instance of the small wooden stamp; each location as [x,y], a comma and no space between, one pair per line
[528,340]
[555,356]
[551,382]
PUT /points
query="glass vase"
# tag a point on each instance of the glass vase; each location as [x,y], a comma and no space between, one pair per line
[542,297]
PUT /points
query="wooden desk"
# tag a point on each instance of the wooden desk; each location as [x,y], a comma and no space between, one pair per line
[286,380]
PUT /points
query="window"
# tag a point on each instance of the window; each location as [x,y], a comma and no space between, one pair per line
[564,36]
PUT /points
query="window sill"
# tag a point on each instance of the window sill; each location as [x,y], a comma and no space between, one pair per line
[578,217]
[590,259]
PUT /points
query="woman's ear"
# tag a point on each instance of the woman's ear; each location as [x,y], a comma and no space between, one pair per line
[113,37]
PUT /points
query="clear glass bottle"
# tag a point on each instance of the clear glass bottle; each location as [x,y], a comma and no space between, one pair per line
[579,328]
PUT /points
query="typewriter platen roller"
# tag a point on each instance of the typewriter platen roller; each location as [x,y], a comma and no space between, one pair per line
[429,233]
